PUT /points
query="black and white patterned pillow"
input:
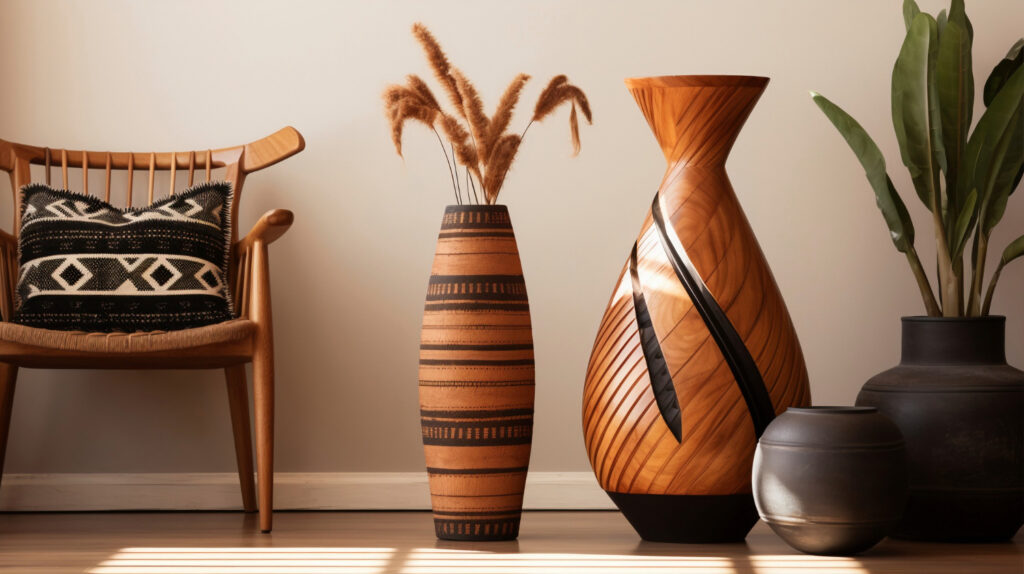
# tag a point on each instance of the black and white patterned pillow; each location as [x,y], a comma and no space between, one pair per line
[86,265]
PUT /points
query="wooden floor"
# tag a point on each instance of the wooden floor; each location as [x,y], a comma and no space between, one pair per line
[380,542]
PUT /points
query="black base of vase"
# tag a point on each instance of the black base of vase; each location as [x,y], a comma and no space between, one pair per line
[477,530]
[690,519]
[946,516]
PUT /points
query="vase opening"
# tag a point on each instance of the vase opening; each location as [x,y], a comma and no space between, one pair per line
[954,340]
[697,81]
[475,207]
[696,118]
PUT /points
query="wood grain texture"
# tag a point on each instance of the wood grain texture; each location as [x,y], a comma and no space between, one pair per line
[695,119]
[238,403]
[476,376]
[400,542]
[249,282]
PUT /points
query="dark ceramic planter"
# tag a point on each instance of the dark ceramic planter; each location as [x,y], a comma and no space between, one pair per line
[961,409]
[831,480]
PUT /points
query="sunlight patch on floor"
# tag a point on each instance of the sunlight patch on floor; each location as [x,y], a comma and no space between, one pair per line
[437,561]
[319,560]
[281,560]
[780,563]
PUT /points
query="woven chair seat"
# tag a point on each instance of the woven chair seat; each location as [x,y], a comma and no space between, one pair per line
[138,342]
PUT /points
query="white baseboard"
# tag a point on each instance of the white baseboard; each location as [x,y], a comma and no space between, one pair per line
[292,491]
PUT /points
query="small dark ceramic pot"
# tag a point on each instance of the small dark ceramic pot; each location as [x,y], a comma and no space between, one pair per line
[831,480]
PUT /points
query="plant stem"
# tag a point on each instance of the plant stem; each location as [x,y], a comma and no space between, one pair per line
[472,185]
[958,270]
[991,289]
[448,163]
[947,278]
[930,304]
[455,163]
[523,135]
[981,250]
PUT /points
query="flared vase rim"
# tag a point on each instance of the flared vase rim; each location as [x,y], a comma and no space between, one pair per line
[697,81]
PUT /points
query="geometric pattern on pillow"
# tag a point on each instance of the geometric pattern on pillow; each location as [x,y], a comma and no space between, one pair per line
[86,265]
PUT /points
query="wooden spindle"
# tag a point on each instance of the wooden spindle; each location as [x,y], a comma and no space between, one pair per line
[209,159]
[152,174]
[47,166]
[85,172]
[174,169]
[243,286]
[191,166]
[131,177]
[64,166]
[106,185]
[4,310]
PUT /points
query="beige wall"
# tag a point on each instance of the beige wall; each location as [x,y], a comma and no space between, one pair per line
[349,279]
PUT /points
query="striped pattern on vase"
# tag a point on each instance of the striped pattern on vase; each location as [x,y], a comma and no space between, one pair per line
[696,352]
[476,377]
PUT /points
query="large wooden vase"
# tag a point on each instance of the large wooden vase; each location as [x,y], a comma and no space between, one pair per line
[696,353]
[476,377]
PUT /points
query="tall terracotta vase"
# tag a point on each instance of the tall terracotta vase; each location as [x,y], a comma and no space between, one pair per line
[476,377]
[696,352]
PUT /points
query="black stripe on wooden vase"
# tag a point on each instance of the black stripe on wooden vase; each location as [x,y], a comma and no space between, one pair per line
[657,369]
[474,529]
[477,433]
[734,350]
[475,217]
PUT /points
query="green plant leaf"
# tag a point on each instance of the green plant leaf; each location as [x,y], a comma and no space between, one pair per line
[1002,71]
[992,156]
[958,13]
[954,79]
[1005,166]
[910,11]
[940,22]
[901,228]
[1010,172]
[1013,61]
[915,108]
[954,83]
[1014,250]
[964,223]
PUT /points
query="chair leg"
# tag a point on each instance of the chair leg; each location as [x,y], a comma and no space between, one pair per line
[8,376]
[238,399]
[263,394]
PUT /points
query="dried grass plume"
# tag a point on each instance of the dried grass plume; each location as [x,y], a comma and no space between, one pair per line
[479,145]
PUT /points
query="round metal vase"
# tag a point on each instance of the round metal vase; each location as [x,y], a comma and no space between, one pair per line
[831,480]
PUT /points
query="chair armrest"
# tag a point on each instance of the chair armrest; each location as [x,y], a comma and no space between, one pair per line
[8,240]
[250,281]
[268,229]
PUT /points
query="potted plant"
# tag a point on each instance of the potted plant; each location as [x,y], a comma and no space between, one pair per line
[957,402]
[476,351]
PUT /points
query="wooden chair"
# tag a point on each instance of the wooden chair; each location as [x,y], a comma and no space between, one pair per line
[229,345]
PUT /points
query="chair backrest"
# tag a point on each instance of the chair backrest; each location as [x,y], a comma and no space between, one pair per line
[184,168]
